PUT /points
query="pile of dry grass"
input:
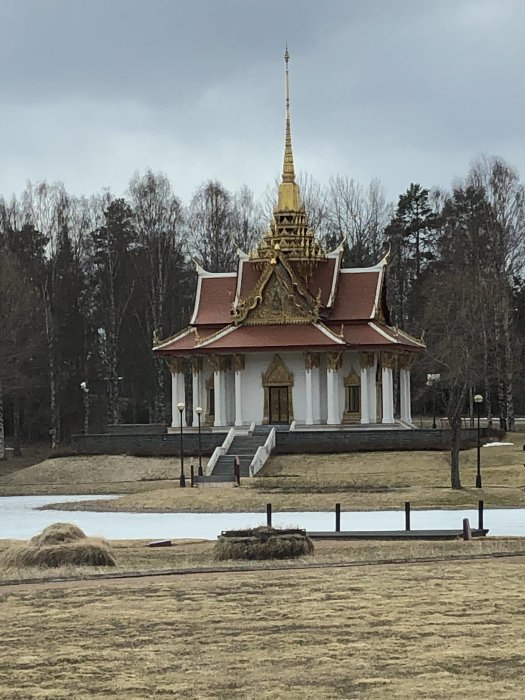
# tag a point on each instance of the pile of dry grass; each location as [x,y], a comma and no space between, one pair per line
[60,544]
[58,533]
[263,543]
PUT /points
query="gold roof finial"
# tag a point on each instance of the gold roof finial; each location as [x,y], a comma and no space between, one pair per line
[289,196]
[288,166]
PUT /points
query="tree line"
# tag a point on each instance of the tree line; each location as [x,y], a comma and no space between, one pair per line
[87,282]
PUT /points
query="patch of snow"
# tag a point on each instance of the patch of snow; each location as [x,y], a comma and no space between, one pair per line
[497,444]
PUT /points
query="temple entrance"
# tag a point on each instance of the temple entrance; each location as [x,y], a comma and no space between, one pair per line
[278,399]
[277,383]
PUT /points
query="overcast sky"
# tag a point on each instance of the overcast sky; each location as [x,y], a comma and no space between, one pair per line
[402,90]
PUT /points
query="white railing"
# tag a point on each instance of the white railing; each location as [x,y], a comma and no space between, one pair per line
[252,428]
[263,452]
[220,451]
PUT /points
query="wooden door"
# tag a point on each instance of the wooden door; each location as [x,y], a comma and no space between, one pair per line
[279,412]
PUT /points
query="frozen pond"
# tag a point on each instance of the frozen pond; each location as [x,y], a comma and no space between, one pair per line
[19,520]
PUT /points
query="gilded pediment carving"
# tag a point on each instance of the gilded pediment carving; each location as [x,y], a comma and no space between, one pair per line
[279,297]
[277,374]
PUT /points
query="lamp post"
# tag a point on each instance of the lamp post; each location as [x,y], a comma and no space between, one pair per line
[182,480]
[198,411]
[432,380]
[85,401]
[478,400]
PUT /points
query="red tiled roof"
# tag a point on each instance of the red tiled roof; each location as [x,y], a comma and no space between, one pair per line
[373,334]
[249,277]
[215,295]
[322,279]
[353,315]
[356,295]
[272,337]
[185,340]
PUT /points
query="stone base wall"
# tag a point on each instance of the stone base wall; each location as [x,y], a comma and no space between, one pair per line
[137,428]
[167,444]
[318,442]
[299,442]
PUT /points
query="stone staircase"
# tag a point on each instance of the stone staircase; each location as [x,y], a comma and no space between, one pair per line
[244,447]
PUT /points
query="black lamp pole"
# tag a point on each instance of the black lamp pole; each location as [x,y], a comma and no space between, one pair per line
[478,400]
[182,479]
[199,411]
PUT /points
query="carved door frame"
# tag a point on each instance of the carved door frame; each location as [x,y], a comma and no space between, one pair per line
[352,379]
[277,374]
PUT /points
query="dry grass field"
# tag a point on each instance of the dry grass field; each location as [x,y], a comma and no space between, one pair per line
[359,481]
[133,556]
[449,630]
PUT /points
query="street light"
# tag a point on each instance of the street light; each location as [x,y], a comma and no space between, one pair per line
[182,480]
[478,400]
[432,380]
[85,401]
[198,411]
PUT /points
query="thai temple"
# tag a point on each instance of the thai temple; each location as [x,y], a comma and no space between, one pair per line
[291,337]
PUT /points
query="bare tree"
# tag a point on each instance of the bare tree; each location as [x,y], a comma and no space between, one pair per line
[361,214]
[505,258]
[210,223]
[247,220]
[160,265]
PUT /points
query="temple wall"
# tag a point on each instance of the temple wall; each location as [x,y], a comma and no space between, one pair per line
[252,389]
[295,363]
[256,364]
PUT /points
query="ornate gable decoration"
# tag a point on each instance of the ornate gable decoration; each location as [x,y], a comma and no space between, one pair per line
[277,374]
[278,298]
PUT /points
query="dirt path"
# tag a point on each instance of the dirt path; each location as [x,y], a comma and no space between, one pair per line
[138,578]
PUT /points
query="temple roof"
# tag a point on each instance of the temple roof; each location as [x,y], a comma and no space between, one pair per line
[289,293]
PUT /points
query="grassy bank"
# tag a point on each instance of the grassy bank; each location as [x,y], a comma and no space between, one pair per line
[453,630]
[359,481]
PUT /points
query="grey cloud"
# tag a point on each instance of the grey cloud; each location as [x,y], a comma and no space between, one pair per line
[403,91]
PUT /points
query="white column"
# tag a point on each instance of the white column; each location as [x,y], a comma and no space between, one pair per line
[219,390]
[178,391]
[388,395]
[174,400]
[238,364]
[332,388]
[198,388]
[365,410]
[404,390]
[181,393]
[331,396]
[309,398]
[372,392]
[238,397]
[316,394]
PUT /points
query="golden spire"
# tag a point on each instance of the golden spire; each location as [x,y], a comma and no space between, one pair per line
[289,195]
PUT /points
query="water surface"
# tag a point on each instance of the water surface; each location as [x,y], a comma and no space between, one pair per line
[20,520]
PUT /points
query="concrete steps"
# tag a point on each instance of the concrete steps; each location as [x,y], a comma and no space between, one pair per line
[244,447]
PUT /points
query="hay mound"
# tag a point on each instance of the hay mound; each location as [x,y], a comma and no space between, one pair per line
[58,533]
[85,552]
[59,544]
[263,543]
